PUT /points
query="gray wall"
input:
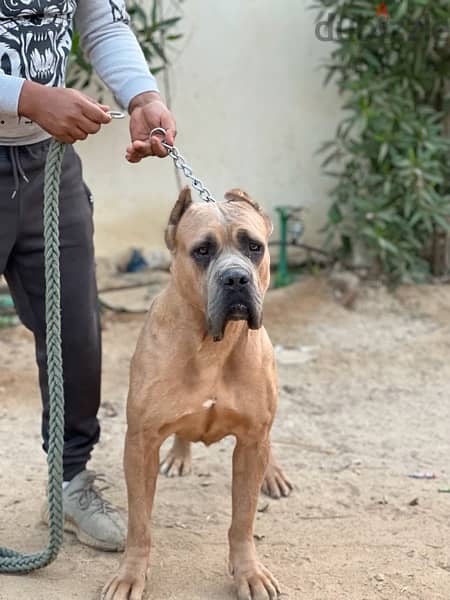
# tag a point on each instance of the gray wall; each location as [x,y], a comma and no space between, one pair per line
[251,111]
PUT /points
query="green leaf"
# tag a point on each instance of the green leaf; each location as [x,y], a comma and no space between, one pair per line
[384,149]
[335,214]
[441,221]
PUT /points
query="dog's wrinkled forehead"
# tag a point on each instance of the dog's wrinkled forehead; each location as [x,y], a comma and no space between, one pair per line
[222,220]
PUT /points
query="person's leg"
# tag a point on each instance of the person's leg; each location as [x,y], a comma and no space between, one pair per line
[9,212]
[94,520]
[80,319]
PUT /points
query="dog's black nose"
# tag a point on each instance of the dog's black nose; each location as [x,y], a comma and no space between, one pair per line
[234,279]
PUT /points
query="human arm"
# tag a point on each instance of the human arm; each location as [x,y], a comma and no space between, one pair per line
[68,115]
[113,50]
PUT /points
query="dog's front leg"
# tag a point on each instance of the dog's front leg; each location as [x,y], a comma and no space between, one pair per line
[141,463]
[253,580]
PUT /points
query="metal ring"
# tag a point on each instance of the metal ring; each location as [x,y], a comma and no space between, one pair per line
[116,114]
[159,130]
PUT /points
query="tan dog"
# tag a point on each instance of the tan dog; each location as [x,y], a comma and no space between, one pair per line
[183,382]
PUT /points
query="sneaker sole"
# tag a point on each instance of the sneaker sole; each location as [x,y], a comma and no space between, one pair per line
[83,537]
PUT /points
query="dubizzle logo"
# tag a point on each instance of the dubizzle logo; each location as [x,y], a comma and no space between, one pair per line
[382,24]
[382,10]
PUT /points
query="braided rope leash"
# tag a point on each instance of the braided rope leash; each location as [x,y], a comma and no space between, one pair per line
[12,561]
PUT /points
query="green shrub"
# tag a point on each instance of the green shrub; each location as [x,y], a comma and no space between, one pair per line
[390,154]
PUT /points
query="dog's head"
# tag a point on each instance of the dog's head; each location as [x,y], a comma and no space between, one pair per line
[221,260]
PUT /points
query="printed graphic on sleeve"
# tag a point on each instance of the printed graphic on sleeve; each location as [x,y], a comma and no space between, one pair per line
[118,11]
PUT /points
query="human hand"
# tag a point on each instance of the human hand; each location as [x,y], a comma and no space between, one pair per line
[148,111]
[68,115]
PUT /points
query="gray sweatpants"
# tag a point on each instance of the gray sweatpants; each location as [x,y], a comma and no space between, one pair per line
[22,263]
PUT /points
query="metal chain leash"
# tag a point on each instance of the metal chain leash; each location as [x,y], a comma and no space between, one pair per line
[180,163]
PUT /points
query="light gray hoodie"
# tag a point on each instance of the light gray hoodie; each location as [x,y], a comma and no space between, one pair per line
[35,40]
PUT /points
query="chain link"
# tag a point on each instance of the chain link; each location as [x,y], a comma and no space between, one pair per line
[180,163]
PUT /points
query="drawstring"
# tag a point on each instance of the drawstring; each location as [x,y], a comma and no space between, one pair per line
[17,168]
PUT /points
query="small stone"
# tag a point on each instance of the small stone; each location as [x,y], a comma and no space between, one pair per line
[379,577]
[109,409]
[213,518]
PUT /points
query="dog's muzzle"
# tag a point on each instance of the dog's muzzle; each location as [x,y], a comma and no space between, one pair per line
[233,297]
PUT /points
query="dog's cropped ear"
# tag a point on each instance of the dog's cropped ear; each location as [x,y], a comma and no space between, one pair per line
[237,195]
[181,206]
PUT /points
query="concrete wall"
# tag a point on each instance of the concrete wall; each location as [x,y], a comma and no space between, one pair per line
[251,111]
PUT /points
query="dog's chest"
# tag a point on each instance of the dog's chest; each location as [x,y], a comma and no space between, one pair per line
[210,421]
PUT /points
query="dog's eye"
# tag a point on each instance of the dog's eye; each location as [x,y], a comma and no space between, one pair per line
[254,247]
[203,252]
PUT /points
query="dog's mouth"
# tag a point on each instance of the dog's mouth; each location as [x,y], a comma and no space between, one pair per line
[237,311]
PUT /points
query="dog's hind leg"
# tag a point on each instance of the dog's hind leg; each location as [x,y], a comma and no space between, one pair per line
[253,581]
[276,484]
[178,461]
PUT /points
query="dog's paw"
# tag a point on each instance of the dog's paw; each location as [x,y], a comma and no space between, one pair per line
[276,484]
[256,583]
[178,460]
[124,587]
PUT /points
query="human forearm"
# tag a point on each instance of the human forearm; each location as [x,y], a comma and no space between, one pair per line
[113,50]
[68,115]
[118,59]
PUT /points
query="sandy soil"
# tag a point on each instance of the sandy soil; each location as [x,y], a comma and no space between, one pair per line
[363,403]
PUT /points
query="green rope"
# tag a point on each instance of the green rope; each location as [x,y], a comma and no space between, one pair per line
[10,560]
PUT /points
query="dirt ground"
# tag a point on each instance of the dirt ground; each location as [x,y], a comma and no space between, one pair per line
[364,402]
